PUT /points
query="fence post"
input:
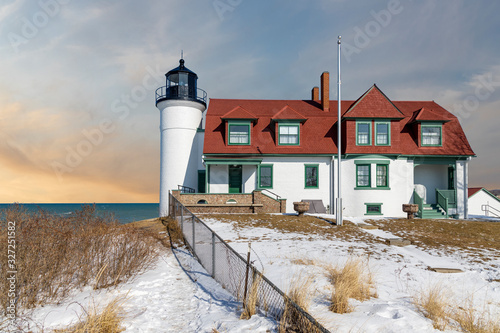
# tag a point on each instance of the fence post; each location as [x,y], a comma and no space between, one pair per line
[182,216]
[213,255]
[194,238]
[246,277]
[175,210]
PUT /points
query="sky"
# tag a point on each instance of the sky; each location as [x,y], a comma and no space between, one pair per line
[78,121]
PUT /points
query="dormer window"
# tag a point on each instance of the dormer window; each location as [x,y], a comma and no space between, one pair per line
[382,133]
[239,133]
[432,135]
[288,134]
[363,133]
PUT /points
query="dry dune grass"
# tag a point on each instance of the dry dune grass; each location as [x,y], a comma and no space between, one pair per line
[307,225]
[351,280]
[434,304]
[55,255]
[94,321]
[252,298]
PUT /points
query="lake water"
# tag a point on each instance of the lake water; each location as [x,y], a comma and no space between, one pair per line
[124,212]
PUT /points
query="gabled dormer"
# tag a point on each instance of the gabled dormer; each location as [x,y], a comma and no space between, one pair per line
[427,127]
[238,124]
[374,119]
[287,125]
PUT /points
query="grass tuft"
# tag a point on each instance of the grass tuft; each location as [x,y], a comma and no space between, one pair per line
[107,321]
[352,280]
[252,301]
[433,304]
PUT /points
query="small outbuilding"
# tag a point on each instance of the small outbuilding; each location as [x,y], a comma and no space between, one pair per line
[483,203]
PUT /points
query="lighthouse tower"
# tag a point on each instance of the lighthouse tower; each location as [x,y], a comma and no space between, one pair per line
[181,106]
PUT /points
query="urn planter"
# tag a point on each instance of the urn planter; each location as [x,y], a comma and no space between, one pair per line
[410,209]
[301,207]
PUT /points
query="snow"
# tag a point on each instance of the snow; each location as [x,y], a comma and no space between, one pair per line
[400,273]
[175,296]
[178,295]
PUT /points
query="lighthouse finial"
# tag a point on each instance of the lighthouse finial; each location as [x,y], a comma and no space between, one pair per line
[182,54]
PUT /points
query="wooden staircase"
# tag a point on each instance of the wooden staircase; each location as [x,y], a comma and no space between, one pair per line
[432,211]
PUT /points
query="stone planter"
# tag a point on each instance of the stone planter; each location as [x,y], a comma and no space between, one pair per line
[410,209]
[301,207]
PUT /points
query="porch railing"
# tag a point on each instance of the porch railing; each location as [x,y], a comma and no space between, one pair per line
[442,201]
[487,209]
[185,189]
[419,201]
[277,197]
[451,195]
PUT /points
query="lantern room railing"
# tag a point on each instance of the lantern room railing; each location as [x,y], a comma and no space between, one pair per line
[180,92]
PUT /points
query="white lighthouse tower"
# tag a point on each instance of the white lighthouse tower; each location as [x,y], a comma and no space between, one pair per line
[181,106]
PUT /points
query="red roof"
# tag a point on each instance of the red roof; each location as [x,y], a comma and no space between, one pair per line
[287,113]
[473,190]
[318,132]
[425,114]
[373,104]
[239,113]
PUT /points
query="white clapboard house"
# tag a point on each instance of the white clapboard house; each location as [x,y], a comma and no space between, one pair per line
[393,152]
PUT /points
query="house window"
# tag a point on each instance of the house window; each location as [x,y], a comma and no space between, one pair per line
[363,133]
[265,176]
[382,134]
[311,175]
[373,209]
[363,175]
[289,134]
[382,175]
[431,135]
[239,134]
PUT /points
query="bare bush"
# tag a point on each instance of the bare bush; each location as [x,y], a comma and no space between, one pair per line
[56,254]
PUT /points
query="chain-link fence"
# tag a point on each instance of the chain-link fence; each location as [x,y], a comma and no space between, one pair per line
[238,276]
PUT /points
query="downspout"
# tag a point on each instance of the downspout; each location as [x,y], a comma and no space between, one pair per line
[466,187]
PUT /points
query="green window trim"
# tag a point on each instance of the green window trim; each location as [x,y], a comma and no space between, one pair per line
[431,125]
[289,125]
[373,208]
[388,123]
[314,179]
[240,124]
[268,167]
[369,139]
[360,167]
[380,176]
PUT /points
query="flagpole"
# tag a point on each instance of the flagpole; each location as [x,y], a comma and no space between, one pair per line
[339,139]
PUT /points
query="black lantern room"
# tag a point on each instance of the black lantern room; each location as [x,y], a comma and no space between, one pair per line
[182,85]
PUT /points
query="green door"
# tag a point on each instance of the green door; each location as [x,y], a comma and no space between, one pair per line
[235,177]
[202,175]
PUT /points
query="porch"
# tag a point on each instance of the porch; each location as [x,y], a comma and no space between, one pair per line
[435,189]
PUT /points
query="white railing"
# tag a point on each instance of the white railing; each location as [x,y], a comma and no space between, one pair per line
[487,209]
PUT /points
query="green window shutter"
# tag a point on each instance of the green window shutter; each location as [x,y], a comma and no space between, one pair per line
[265,176]
[289,134]
[432,135]
[363,133]
[382,133]
[363,175]
[311,176]
[239,133]
[382,175]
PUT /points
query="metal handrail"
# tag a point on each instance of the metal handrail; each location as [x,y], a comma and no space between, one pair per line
[186,189]
[486,208]
[175,93]
[277,196]
[442,201]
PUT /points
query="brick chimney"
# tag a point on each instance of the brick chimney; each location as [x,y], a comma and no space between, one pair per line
[315,94]
[325,91]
